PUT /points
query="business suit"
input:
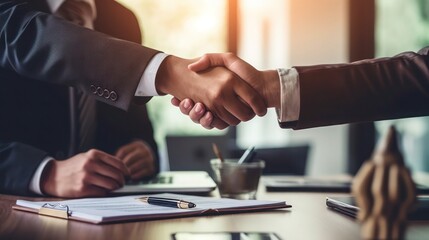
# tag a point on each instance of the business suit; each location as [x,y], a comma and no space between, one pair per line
[39,60]
[368,90]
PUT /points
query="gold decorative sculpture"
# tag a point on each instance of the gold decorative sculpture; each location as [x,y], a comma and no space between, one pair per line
[384,192]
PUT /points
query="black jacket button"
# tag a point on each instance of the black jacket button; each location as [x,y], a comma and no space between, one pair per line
[93,89]
[106,94]
[99,91]
[113,96]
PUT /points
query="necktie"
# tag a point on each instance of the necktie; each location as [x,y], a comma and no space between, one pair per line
[81,12]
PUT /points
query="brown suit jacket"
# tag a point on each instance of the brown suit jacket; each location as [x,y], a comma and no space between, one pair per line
[367,90]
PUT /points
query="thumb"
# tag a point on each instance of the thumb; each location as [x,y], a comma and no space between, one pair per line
[207,61]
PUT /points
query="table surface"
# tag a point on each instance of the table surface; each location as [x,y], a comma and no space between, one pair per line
[309,218]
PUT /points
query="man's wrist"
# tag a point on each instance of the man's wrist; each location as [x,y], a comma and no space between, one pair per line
[165,78]
[272,88]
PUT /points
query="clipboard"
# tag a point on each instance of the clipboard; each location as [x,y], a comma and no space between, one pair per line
[128,208]
[53,211]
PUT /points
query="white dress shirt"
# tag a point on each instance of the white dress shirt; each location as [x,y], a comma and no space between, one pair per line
[289,95]
[146,87]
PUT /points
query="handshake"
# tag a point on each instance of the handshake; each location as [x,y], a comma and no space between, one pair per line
[218,90]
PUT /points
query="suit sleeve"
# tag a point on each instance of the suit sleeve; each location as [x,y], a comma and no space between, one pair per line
[368,90]
[44,47]
[15,169]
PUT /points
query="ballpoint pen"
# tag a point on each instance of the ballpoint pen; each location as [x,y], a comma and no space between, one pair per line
[247,155]
[167,202]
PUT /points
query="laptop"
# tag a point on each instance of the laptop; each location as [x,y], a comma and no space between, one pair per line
[347,206]
[195,182]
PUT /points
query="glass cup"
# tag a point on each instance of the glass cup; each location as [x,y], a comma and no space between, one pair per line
[238,181]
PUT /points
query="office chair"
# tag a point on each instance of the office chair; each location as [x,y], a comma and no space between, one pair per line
[192,153]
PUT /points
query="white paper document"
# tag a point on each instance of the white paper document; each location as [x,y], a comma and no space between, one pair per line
[111,209]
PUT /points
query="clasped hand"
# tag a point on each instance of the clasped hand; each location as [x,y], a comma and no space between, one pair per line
[229,91]
[96,173]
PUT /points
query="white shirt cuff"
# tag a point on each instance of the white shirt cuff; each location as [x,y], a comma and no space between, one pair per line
[54,4]
[35,181]
[146,87]
[289,94]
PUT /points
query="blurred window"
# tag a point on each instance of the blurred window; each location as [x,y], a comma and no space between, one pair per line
[185,28]
[190,28]
[403,25]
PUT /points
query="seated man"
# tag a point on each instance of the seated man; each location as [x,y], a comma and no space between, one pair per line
[44,145]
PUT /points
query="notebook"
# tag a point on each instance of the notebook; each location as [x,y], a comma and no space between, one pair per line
[173,182]
[347,206]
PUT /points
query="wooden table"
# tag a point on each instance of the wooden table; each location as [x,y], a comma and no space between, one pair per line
[307,219]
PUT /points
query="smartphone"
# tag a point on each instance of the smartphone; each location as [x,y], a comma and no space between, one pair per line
[225,236]
[347,206]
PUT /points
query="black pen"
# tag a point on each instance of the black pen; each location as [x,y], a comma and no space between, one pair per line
[167,202]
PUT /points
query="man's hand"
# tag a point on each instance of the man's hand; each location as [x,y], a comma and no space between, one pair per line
[93,173]
[197,112]
[138,158]
[228,97]
[265,82]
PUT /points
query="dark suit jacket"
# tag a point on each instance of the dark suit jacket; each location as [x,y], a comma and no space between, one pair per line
[40,57]
[368,90]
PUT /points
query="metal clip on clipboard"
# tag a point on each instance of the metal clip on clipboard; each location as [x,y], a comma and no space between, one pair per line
[55,210]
